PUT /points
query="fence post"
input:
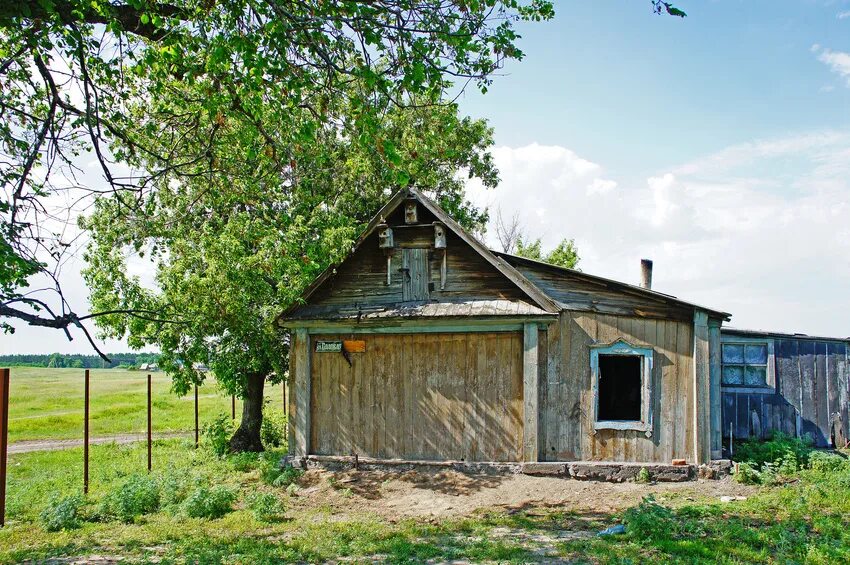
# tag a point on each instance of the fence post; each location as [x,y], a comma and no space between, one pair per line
[4,436]
[86,437]
[196,416]
[150,431]
[233,407]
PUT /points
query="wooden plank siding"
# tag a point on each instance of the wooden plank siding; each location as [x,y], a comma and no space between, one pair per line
[810,396]
[362,277]
[566,400]
[421,396]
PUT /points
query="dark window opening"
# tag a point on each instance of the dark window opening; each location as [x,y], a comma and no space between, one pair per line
[619,388]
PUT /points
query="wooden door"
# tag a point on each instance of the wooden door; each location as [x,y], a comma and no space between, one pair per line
[415,275]
[420,396]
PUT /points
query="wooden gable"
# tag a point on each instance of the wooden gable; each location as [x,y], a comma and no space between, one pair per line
[430,260]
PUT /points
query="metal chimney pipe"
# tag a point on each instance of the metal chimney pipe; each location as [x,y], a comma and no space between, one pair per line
[646,273]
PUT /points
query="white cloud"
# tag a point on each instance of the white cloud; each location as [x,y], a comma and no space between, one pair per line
[838,62]
[757,229]
[843,15]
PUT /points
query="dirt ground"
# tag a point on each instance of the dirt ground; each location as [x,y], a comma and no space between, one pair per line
[446,494]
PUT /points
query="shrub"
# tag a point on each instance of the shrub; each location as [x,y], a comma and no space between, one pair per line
[217,434]
[266,507]
[206,502]
[62,514]
[823,462]
[289,475]
[747,474]
[174,489]
[643,476]
[273,427]
[138,495]
[650,521]
[780,449]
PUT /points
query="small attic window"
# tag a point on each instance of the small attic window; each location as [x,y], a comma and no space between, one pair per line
[621,385]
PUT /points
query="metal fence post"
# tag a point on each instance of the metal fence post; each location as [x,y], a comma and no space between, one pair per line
[150,431]
[86,437]
[4,437]
[196,416]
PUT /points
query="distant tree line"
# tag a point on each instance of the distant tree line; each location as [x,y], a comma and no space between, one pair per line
[77,361]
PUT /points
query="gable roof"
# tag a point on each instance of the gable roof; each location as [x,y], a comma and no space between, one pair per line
[544,303]
[573,275]
[509,266]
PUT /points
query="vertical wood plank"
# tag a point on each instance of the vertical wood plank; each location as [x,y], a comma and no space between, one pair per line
[302,392]
[714,389]
[702,414]
[529,391]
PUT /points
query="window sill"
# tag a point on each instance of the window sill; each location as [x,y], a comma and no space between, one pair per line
[635,426]
[762,389]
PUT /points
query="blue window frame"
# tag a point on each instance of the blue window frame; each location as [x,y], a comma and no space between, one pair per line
[622,382]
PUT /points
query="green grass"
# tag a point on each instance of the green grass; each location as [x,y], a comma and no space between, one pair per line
[804,521]
[48,403]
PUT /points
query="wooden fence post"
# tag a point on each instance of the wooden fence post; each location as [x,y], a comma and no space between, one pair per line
[150,431]
[233,407]
[4,436]
[86,437]
[196,416]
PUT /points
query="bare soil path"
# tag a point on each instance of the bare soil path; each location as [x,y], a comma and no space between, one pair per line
[56,444]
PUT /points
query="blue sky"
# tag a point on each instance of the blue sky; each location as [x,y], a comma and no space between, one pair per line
[617,84]
[717,145]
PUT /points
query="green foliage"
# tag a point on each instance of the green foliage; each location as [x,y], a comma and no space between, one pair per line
[273,428]
[217,434]
[138,495]
[747,474]
[61,514]
[77,361]
[821,462]
[650,520]
[206,502]
[287,477]
[266,507]
[779,448]
[643,476]
[768,462]
[564,255]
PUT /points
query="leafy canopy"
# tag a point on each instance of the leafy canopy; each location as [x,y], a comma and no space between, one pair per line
[564,255]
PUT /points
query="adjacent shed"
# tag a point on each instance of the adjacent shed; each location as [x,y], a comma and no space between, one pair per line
[793,383]
[424,344]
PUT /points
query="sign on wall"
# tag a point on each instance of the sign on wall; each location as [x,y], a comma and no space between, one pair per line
[328,346]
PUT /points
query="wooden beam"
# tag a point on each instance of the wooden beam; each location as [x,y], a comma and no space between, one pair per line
[421,326]
[701,409]
[714,388]
[302,382]
[529,393]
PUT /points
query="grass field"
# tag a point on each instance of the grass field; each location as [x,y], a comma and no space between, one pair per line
[48,403]
[804,520]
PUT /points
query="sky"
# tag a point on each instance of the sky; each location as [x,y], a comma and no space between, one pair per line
[717,145]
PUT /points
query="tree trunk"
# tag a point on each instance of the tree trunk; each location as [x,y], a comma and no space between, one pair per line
[247,437]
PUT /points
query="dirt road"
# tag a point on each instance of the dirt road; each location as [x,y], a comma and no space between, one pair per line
[56,444]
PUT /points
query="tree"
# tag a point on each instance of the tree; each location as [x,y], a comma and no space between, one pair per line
[134,84]
[233,250]
[564,255]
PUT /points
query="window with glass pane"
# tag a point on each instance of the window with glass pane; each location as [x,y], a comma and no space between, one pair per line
[744,364]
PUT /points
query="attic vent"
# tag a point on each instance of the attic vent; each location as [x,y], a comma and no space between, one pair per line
[410,213]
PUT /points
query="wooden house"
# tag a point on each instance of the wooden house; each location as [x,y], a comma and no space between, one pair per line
[425,345]
[793,383]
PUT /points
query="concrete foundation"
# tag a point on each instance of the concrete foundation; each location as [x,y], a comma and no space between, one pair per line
[580,470]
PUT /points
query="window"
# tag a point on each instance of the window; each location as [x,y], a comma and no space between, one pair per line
[621,380]
[745,363]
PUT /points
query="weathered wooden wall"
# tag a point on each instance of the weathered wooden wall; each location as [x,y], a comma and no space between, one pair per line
[420,396]
[362,277]
[566,400]
[812,392]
